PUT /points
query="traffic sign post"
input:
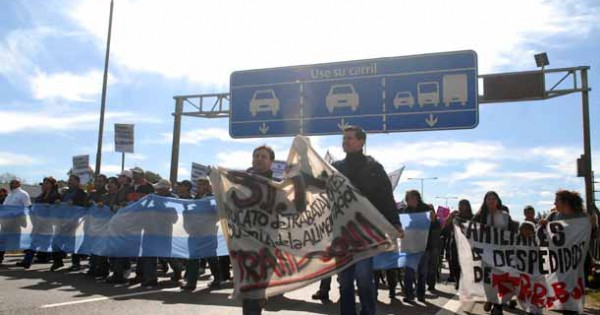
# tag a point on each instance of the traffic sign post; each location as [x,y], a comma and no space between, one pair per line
[413,93]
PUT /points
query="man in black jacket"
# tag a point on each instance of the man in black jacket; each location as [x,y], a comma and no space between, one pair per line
[74,196]
[368,176]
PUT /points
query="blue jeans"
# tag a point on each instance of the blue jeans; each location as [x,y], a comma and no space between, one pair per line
[362,272]
[409,278]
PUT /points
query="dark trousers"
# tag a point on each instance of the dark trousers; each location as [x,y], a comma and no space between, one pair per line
[392,279]
[252,307]
[146,269]
[432,267]
[28,258]
[325,285]
[99,266]
[57,258]
[119,266]
[420,273]
[177,266]
[1,256]
[360,272]
[219,268]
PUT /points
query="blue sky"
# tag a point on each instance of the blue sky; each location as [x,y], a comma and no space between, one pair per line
[52,57]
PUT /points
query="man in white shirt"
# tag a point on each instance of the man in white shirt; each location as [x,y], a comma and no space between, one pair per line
[16,197]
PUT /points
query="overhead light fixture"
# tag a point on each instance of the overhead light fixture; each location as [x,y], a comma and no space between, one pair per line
[541,60]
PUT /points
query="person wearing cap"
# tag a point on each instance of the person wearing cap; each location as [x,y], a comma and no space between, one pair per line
[49,195]
[74,196]
[16,197]
[140,184]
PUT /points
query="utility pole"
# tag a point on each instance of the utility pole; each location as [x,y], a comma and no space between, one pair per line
[103,104]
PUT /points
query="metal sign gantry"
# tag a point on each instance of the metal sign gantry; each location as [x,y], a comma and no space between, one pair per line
[501,87]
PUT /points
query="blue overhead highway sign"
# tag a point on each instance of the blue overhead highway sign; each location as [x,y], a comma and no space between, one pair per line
[412,93]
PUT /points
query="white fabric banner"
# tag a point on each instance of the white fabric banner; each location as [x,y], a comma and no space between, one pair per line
[329,157]
[395,177]
[544,271]
[285,235]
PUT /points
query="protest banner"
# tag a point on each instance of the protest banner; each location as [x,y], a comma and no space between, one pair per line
[153,227]
[442,214]
[411,247]
[285,235]
[543,271]
[329,157]
[198,170]
[81,167]
[278,168]
[395,177]
[124,135]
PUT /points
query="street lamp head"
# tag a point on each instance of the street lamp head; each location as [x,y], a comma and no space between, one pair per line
[541,59]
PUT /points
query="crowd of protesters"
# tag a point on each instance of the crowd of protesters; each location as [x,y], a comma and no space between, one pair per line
[363,171]
[115,193]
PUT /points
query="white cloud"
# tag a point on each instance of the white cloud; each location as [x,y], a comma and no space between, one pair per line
[406,174]
[223,36]
[83,87]
[436,153]
[40,121]
[240,160]
[110,169]
[183,172]
[13,159]
[17,48]
[475,169]
[200,135]
[530,176]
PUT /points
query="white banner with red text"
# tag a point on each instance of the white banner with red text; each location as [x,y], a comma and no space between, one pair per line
[543,271]
[285,235]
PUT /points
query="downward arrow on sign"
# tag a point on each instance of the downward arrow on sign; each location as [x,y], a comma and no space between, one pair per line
[431,121]
[263,129]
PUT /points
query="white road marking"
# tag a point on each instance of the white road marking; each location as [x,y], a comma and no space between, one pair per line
[104,298]
[451,307]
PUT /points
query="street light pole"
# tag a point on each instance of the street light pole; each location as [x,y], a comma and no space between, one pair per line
[422,179]
[446,198]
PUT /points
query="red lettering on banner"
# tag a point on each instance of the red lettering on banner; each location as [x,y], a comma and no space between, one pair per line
[550,301]
[539,294]
[505,283]
[525,290]
[579,289]
[559,291]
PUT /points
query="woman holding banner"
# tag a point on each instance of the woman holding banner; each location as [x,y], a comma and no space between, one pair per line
[464,213]
[493,213]
[415,204]
[569,205]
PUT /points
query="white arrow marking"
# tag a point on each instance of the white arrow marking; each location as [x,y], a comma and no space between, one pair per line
[431,121]
[263,129]
[343,124]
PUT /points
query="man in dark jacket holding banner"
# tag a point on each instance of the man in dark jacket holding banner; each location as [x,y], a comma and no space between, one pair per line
[368,176]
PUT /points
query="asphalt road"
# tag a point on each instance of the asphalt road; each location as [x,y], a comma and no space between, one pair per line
[40,291]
